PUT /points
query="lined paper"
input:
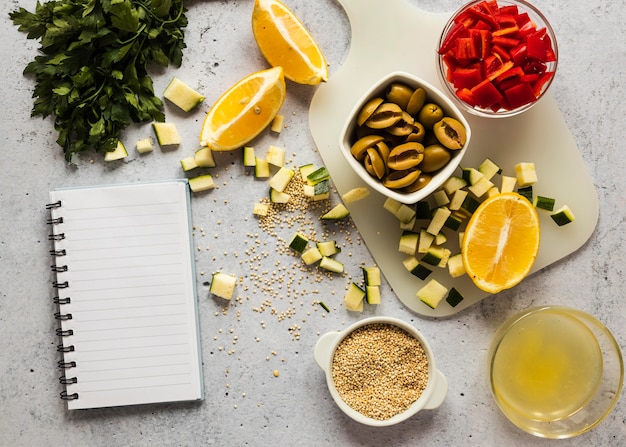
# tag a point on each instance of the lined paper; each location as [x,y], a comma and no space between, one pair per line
[131,283]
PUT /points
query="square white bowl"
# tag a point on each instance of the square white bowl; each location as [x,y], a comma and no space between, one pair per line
[347,136]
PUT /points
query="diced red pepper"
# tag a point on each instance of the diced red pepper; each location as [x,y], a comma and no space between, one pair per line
[450,40]
[466,95]
[504,41]
[482,41]
[541,82]
[466,77]
[485,94]
[465,50]
[485,16]
[519,95]
[509,10]
[501,52]
[536,48]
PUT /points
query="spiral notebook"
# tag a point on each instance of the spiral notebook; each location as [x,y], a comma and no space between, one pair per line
[126,294]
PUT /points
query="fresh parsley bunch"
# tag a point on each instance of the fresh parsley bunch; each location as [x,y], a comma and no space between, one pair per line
[91,73]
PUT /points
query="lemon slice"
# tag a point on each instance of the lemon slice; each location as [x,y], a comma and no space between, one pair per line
[244,110]
[501,242]
[284,41]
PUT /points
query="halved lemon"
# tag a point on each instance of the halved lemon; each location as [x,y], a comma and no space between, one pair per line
[501,242]
[244,110]
[284,41]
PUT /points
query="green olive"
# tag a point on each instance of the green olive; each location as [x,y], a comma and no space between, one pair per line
[387,114]
[400,94]
[374,163]
[367,110]
[418,133]
[405,156]
[429,114]
[450,132]
[401,179]
[416,101]
[403,127]
[418,184]
[436,157]
[360,147]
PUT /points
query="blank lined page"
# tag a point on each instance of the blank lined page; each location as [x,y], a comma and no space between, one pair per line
[131,284]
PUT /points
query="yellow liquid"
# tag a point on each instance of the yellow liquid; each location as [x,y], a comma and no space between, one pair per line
[547,366]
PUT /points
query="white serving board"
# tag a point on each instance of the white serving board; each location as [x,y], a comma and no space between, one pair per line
[391,35]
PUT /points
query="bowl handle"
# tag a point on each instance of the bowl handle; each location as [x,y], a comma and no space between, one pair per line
[439,391]
[323,348]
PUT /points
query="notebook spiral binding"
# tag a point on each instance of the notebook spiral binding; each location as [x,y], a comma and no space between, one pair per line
[61,316]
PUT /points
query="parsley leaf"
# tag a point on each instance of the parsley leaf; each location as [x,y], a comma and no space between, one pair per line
[91,71]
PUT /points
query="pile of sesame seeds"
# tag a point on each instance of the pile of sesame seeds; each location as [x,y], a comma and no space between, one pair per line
[380,370]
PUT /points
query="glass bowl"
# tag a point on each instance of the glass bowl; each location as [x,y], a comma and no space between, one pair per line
[352,131]
[555,372]
[497,59]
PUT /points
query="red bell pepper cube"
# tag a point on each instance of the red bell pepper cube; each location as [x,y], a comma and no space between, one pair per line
[466,77]
[486,94]
[505,41]
[508,10]
[501,52]
[450,40]
[519,95]
[536,48]
[466,95]
[539,84]
[465,50]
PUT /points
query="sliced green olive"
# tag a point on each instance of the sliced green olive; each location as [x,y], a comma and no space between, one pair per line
[450,132]
[403,127]
[400,94]
[383,150]
[418,134]
[436,156]
[359,149]
[416,101]
[367,110]
[401,179]
[429,114]
[405,156]
[376,162]
[386,115]
[418,184]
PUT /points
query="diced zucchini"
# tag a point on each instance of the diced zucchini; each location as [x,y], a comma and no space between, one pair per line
[472,175]
[305,170]
[435,255]
[317,176]
[166,134]
[508,183]
[355,194]
[440,239]
[392,205]
[432,293]
[422,210]
[328,248]
[544,203]
[488,168]
[331,264]
[454,297]
[319,191]
[249,157]
[457,199]
[181,95]
[461,235]
[527,192]
[408,242]
[415,268]
[353,299]
[117,154]
[470,204]
[372,294]
[338,212]
[425,241]
[223,285]
[260,209]
[405,213]
[188,163]
[493,191]
[144,145]
[281,179]
[261,168]
[371,276]
[298,242]
[201,183]
[438,221]
[311,255]
[481,187]
[277,123]
[278,196]
[453,184]
[275,156]
[455,265]
[526,174]
[453,222]
[204,158]
[409,225]
[563,216]
[441,198]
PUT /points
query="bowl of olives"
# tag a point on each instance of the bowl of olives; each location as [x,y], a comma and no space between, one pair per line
[497,59]
[404,138]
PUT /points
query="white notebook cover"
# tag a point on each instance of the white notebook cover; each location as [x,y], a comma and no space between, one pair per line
[127,297]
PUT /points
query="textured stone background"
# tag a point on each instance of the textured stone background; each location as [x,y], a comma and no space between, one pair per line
[245,403]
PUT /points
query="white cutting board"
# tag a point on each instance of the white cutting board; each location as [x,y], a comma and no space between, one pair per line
[392,35]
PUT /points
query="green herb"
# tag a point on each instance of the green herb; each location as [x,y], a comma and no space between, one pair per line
[91,73]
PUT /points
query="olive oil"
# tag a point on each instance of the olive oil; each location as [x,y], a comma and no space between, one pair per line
[546,367]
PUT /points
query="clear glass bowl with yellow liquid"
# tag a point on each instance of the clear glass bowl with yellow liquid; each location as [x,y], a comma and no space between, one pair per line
[555,372]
